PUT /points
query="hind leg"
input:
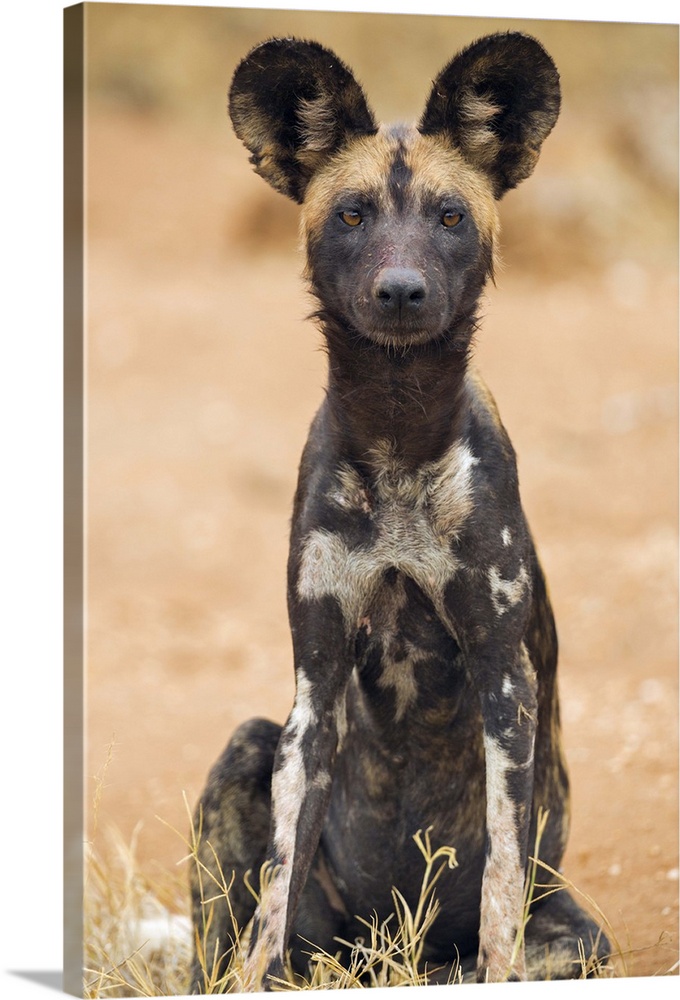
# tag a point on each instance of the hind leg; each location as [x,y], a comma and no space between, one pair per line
[232,818]
[560,937]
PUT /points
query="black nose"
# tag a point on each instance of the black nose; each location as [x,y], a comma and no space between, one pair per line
[399,289]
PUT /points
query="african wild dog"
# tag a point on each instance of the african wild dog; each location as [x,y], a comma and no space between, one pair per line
[424,643]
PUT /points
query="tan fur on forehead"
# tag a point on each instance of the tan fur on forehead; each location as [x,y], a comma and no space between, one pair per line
[363,166]
[439,168]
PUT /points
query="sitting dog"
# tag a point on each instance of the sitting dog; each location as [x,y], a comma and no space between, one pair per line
[424,643]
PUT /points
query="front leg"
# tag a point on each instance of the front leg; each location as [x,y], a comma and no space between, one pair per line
[301,783]
[507,687]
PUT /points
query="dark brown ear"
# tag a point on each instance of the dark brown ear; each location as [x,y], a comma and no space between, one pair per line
[294,103]
[496,101]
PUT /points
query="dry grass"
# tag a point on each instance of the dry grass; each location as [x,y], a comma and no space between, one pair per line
[139,937]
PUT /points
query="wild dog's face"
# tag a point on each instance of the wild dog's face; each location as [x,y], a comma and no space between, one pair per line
[400,224]
[400,232]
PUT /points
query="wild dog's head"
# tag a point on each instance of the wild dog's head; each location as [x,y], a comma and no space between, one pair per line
[400,223]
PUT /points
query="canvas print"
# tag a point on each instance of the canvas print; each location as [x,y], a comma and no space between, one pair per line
[372,386]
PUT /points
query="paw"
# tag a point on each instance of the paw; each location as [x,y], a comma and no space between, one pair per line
[499,968]
[260,975]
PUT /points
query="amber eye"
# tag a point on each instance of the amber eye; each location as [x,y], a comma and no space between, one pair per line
[351,218]
[451,219]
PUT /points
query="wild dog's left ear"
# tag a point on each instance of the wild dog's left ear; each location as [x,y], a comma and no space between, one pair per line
[497,100]
[293,103]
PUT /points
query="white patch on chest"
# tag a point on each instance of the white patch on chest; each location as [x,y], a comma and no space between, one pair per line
[348,490]
[506,537]
[450,491]
[416,516]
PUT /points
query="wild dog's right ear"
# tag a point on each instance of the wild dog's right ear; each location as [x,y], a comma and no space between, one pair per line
[294,103]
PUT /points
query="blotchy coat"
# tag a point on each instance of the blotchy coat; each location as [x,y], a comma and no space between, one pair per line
[424,644]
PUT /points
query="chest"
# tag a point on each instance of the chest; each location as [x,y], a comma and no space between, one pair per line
[409,523]
[403,538]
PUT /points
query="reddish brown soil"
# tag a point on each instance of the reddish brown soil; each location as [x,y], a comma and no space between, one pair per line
[203,377]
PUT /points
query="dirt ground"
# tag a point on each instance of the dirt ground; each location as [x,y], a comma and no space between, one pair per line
[203,378]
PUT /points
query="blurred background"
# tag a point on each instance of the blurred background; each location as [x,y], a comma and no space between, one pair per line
[203,376]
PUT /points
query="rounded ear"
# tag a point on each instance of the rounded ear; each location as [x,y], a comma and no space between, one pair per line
[496,102]
[293,103]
